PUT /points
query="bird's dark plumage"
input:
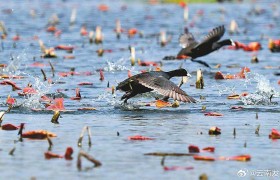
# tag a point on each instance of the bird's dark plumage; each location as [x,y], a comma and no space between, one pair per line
[209,44]
[155,81]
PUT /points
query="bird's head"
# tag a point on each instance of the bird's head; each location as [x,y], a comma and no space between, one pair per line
[180,72]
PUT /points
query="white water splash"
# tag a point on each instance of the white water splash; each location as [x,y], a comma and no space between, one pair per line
[127,107]
[223,89]
[42,88]
[106,96]
[115,101]
[264,91]
[16,62]
[111,67]
[17,66]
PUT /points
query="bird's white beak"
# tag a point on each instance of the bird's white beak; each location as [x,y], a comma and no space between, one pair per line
[189,75]
[232,43]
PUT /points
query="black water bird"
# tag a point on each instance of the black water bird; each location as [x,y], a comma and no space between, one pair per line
[155,81]
[209,44]
[192,48]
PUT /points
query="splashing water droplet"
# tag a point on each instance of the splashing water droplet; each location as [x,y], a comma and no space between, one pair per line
[42,88]
[262,95]
[111,67]
[264,91]
[17,66]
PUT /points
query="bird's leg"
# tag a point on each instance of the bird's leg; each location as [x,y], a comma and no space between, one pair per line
[125,101]
[125,97]
[128,95]
[165,98]
[201,62]
[270,98]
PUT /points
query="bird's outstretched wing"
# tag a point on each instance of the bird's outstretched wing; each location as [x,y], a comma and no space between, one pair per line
[186,40]
[213,36]
[166,88]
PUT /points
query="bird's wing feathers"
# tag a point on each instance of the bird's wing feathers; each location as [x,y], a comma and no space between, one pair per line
[165,87]
[213,36]
[186,40]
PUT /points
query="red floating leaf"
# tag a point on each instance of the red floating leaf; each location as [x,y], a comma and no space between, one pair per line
[236,107]
[64,47]
[63,74]
[233,96]
[16,38]
[51,28]
[68,153]
[57,33]
[147,63]
[85,84]
[175,168]
[58,105]
[50,155]
[203,158]
[240,158]
[209,149]
[182,4]
[103,7]
[242,73]
[69,57]
[78,95]
[139,137]
[160,103]
[37,64]
[10,100]
[236,158]
[219,75]
[46,99]
[29,90]
[11,77]
[9,127]
[213,114]
[13,84]
[38,134]
[193,149]
[276,42]
[214,131]
[83,31]
[132,31]
[101,75]
[275,134]
[252,46]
